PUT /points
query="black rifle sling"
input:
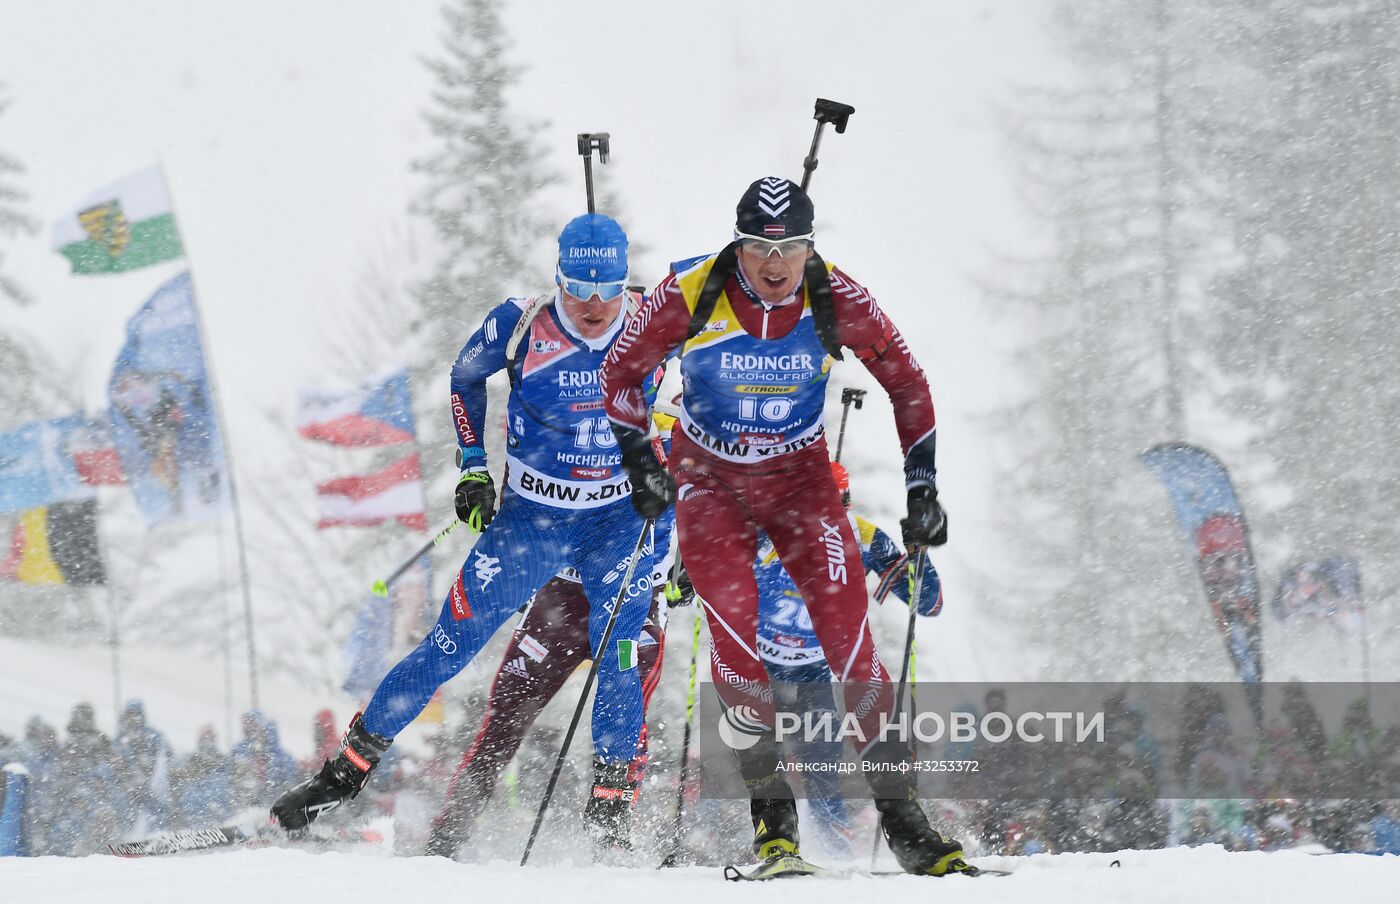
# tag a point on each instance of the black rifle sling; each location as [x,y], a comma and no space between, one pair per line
[723,268]
[823,309]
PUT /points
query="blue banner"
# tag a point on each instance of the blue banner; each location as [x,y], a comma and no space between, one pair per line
[384,624]
[13,781]
[1213,522]
[367,648]
[163,421]
[37,464]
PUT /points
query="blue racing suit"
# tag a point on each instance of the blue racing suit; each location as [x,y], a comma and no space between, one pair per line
[800,673]
[566,504]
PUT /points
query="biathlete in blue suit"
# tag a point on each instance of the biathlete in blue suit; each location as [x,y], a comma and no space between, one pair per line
[566,504]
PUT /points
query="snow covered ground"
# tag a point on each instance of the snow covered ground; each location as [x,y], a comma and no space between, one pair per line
[273,875]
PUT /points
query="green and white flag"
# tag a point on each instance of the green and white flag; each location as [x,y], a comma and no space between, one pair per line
[626,655]
[124,226]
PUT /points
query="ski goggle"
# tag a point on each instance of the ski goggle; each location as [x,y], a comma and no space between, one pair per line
[580,288]
[784,248]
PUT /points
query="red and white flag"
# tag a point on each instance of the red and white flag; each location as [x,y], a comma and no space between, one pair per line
[378,414]
[94,457]
[395,492]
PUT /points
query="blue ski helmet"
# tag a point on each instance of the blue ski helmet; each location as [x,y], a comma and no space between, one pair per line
[593,248]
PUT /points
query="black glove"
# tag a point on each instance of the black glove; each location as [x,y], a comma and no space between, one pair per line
[475,500]
[927,524]
[653,490]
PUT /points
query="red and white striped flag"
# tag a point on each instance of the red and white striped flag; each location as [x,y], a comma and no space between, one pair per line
[372,499]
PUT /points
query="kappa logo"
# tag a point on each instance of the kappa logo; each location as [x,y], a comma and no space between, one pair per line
[774,196]
[444,642]
[487,567]
[835,552]
[518,668]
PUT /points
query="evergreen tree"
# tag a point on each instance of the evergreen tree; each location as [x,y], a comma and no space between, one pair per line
[1308,318]
[480,201]
[1103,165]
[13,221]
[482,178]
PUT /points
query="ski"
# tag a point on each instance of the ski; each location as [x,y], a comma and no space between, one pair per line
[972,872]
[787,867]
[185,840]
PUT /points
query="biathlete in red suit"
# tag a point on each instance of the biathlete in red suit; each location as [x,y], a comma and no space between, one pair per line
[549,643]
[758,326]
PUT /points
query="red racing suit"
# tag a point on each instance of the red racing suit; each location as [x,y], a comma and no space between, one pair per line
[547,646]
[750,453]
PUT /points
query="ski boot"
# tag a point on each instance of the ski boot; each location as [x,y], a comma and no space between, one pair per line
[339,780]
[774,827]
[608,814]
[774,814]
[916,846]
[449,832]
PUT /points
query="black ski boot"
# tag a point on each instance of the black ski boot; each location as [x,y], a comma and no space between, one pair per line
[774,822]
[447,835]
[339,780]
[608,813]
[916,846]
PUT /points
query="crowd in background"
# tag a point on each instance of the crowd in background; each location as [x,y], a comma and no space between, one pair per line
[86,790]
[1284,785]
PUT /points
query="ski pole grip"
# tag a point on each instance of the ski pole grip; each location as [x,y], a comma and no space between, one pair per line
[834,112]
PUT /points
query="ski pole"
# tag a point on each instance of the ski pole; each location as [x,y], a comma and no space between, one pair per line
[587,686]
[849,397]
[381,586]
[827,111]
[587,142]
[671,858]
[916,588]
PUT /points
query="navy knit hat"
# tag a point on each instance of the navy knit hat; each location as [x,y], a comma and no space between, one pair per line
[774,208]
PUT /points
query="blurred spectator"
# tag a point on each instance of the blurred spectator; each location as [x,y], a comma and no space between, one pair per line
[40,755]
[1359,756]
[204,783]
[1282,764]
[1201,705]
[146,760]
[91,799]
[1385,829]
[1306,724]
[10,749]
[261,767]
[1219,768]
